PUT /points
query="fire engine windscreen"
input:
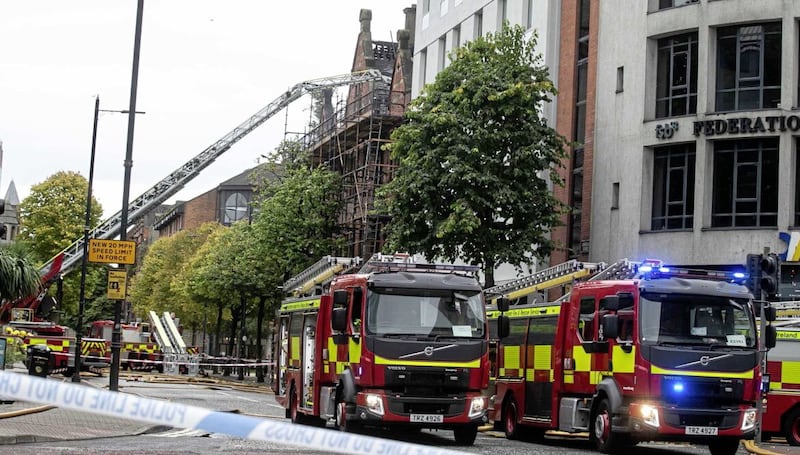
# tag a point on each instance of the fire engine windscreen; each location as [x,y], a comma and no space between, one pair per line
[666,319]
[425,313]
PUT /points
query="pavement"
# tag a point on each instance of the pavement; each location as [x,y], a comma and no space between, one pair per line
[26,422]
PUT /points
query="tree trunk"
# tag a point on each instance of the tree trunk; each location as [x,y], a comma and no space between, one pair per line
[488,273]
[259,352]
[218,329]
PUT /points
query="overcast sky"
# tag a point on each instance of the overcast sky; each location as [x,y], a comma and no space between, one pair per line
[205,67]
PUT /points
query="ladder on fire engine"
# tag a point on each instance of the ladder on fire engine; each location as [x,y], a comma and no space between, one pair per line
[410,263]
[172,183]
[319,274]
[558,275]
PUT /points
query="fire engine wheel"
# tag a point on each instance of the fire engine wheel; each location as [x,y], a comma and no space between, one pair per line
[294,414]
[465,435]
[601,433]
[510,420]
[342,422]
[791,430]
[724,447]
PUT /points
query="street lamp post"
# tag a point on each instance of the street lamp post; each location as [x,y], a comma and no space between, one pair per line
[76,376]
[116,334]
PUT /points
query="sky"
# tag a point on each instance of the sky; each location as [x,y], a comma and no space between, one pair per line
[205,66]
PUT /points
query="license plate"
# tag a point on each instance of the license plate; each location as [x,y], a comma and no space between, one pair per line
[427,418]
[702,431]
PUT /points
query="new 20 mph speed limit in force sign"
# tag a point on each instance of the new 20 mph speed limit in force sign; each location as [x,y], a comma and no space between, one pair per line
[112,251]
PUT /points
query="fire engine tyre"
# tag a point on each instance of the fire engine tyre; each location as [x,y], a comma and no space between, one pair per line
[791,428]
[342,422]
[294,413]
[601,432]
[724,447]
[510,420]
[465,436]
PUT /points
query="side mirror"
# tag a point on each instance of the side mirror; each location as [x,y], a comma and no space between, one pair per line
[503,304]
[609,302]
[770,337]
[503,326]
[610,326]
[770,314]
[339,319]
[339,297]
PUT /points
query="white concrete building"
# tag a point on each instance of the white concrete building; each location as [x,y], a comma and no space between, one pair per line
[695,139]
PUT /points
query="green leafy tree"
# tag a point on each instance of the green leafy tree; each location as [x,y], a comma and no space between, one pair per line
[477,158]
[52,217]
[54,213]
[18,277]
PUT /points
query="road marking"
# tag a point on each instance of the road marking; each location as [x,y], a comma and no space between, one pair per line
[238,397]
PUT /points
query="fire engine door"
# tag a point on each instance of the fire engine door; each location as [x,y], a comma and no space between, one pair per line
[309,334]
[539,366]
[283,356]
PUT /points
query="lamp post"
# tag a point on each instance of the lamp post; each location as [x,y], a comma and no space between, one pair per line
[116,334]
[76,376]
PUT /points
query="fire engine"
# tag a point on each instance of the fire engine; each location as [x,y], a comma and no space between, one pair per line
[634,354]
[782,415]
[399,343]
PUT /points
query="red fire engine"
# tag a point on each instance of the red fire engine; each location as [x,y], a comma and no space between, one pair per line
[630,360]
[782,416]
[398,344]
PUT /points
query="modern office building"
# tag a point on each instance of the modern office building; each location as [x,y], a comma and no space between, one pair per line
[695,131]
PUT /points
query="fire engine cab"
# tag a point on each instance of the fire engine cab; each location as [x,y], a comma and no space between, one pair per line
[397,344]
[645,358]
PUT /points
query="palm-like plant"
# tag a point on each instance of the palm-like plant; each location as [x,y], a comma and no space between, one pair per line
[18,278]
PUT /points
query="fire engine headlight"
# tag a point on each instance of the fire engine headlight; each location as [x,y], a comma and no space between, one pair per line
[374,403]
[649,414]
[750,419]
[477,406]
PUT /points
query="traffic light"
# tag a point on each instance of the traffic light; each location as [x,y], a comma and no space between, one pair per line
[754,274]
[770,275]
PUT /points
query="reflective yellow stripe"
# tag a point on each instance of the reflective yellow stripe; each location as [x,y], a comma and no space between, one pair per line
[511,357]
[709,374]
[583,361]
[353,351]
[469,364]
[621,361]
[790,372]
[542,356]
[295,348]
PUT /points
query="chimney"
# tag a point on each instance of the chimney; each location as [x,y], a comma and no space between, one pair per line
[411,19]
[365,17]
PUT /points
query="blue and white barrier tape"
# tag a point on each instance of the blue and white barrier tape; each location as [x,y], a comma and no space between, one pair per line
[81,398]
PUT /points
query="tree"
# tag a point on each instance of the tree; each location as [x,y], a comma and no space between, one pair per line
[476,159]
[54,213]
[52,217]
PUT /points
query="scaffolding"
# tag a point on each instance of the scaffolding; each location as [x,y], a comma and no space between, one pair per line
[350,142]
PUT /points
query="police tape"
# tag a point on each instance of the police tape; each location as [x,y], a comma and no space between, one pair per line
[122,405]
[94,358]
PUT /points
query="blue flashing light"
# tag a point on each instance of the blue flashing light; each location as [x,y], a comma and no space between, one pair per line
[677,387]
[664,269]
[739,275]
[645,268]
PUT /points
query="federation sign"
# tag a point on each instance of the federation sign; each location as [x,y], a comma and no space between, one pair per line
[112,251]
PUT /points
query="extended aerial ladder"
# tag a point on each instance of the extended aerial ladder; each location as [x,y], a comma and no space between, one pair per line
[558,275]
[172,183]
[176,180]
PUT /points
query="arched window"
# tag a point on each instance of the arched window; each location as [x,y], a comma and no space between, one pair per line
[236,208]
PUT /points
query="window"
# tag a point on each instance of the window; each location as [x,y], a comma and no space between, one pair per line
[478,24]
[529,14]
[748,67]
[579,131]
[586,319]
[673,187]
[664,4]
[423,63]
[745,183]
[615,195]
[620,79]
[236,208]
[797,185]
[442,53]
[442,7]
[456,37]
[676,79]
[502,13]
